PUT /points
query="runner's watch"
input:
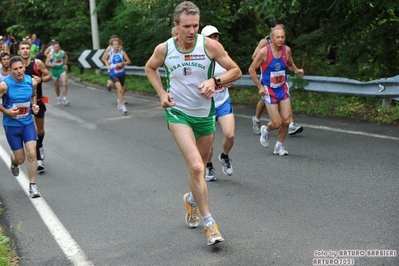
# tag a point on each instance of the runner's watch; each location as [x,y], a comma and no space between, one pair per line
[217,80]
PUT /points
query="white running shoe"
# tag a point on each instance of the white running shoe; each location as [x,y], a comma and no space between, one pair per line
[41,152]
[226,163]
[255,126]
[213,236]
[40,166]
[59,101]
[192,215]
[65,101]
[294,129]
[210,174]
[280,150]
[123,109]
[264,137]
[34,193]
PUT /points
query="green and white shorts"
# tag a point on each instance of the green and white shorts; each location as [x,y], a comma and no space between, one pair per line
[201,126]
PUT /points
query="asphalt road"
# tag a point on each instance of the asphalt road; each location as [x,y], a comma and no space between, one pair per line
[113,191]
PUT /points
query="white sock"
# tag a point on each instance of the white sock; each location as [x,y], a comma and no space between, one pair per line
[207,219]
[278,143]
[191,199]
[291,124]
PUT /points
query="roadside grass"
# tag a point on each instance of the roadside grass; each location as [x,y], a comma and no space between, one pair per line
[309,103]
[7,255]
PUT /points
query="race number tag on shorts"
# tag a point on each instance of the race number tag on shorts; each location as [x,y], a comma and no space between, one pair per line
[277,78]
[219,88]
[44,99]
[23,109]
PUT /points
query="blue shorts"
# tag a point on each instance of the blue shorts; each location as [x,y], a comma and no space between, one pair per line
[276,95]
[225,109]
[16,136]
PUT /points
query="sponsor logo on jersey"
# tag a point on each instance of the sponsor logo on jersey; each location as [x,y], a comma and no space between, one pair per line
[187,71]
[189,57]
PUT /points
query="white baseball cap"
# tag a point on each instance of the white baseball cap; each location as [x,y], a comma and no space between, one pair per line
[1,37]
[209,30]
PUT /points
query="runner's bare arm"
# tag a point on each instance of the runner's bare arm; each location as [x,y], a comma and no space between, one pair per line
[126,59]
[256,63]
[48,59]
[216,51]
[46,76]
[262,43]
[291,65]
[151,70]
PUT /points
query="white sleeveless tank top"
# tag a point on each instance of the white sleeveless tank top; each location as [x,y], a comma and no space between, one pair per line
[222,92]
[185,71]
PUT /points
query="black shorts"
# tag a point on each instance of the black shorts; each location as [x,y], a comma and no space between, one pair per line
[120,79]
[42,109]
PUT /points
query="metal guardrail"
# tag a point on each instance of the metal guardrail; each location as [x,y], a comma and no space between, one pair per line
[382,88]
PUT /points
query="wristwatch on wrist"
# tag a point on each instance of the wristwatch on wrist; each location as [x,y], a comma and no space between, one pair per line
[217,80]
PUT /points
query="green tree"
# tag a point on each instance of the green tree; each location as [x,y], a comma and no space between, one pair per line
[355,39]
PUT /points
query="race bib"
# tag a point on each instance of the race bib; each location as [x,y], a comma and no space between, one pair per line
[59,62]
[23,109]
[119,68]
[277,78]
[219,88]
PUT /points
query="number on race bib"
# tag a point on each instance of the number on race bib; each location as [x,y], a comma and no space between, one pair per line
[277,78]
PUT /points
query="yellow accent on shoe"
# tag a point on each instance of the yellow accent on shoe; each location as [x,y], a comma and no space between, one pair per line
[213,235]
[192,215]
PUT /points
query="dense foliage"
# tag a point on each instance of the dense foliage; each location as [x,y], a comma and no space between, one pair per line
[347,38]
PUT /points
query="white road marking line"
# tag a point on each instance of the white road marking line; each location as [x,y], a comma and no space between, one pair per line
[68,245]
[353,132]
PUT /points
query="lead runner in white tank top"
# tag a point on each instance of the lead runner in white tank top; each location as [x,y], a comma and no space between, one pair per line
[185,71]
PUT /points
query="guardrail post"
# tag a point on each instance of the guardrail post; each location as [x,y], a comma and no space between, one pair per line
[386,102]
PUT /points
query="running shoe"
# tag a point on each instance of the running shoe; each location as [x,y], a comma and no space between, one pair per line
[34,193]
[59,101]
[40,166]
[41,152]
[213,235]
[123,109]
[108,85]
[264,137]
[280,150]
[294,129]
[210,174]
[226,163]
[118,105]
[65,101]
[192,216]
[14,168]
[255,126]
